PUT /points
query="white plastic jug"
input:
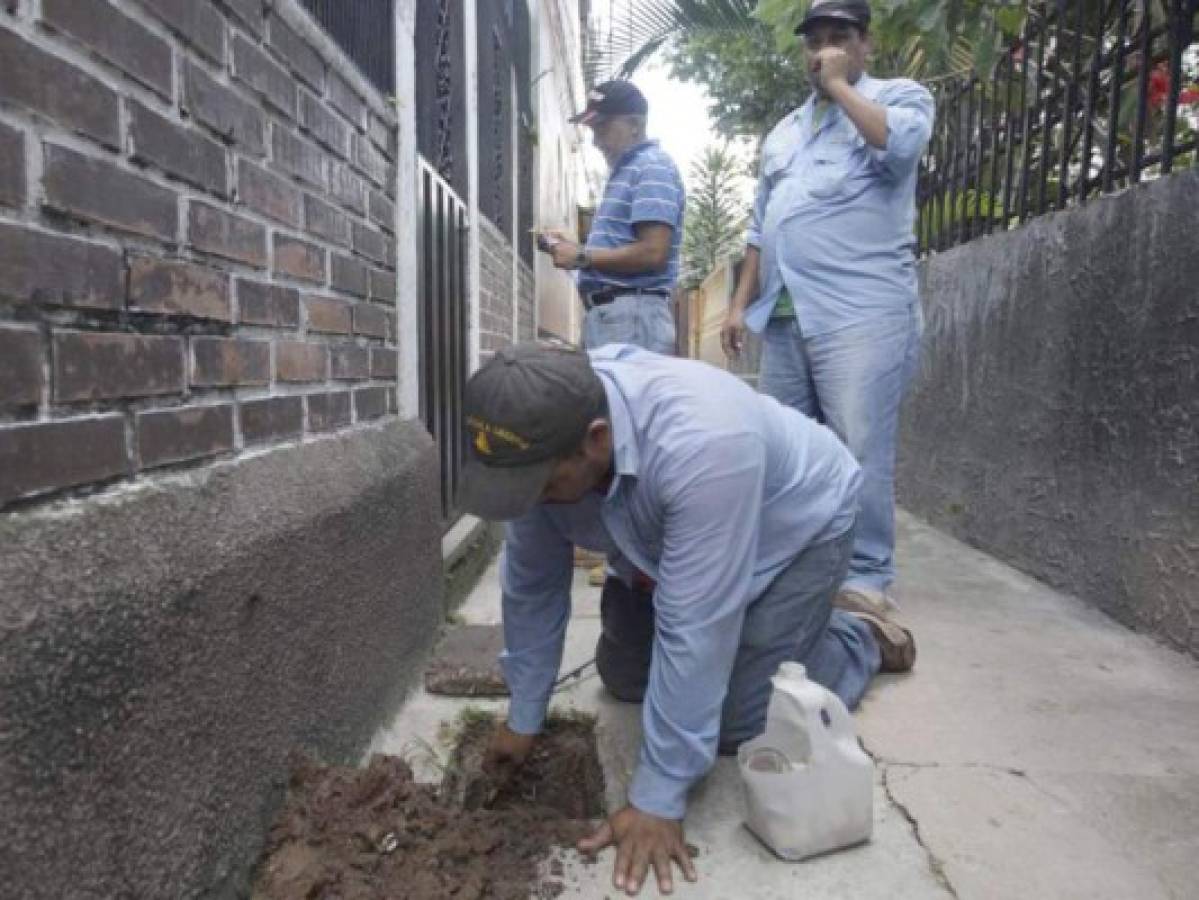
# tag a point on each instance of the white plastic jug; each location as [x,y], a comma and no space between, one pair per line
[808,785]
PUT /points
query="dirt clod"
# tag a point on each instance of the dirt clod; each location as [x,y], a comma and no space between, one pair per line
[361,834]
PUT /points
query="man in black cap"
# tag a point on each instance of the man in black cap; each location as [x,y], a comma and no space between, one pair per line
[627,270]
[742,511]
[829,277]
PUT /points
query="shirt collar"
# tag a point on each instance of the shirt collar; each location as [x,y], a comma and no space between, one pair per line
[626,459]
[633,151]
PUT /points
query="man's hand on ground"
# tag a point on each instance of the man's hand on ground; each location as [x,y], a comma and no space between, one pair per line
[506,753]
[642,840]
[732,332]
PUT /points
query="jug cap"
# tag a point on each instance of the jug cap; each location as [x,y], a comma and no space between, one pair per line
[792,671]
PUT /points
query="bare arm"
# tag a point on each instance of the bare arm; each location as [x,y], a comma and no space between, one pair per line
[649,253]
[732,333]
[868,117]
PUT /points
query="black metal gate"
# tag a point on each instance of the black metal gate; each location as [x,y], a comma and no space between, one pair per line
[443,326]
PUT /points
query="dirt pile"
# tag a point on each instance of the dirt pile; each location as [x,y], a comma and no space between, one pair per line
[354,834]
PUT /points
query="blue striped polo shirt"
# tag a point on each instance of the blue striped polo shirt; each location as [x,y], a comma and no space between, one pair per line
[644,186]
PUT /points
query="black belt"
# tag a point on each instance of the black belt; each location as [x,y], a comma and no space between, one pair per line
[599,298]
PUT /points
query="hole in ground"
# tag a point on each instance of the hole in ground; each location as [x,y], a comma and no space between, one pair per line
[366,833]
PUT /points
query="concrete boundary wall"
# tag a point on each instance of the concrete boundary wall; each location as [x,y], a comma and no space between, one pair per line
[1055,419]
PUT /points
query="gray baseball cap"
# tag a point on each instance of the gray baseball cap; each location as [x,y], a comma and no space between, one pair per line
[856,12]
[526,408]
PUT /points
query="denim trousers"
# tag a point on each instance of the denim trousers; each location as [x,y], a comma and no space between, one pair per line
[641,319]
[793,620]
[852,380]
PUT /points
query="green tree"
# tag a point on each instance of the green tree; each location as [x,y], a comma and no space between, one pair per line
[714,227]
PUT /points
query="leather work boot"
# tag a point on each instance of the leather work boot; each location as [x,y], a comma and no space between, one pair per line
[895,643]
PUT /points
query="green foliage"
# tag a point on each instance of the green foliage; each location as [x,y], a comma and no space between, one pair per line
[715,223]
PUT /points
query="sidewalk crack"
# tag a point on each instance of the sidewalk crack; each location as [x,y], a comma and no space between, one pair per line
[935,864]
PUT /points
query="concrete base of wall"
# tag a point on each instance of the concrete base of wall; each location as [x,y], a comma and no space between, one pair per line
[163,648]
[1054,421]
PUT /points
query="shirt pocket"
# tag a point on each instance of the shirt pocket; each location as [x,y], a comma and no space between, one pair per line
[829,168]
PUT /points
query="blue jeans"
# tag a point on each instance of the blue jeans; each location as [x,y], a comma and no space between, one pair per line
[641,319]
[853,381]
[792,621]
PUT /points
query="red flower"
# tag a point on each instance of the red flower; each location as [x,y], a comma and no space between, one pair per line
[1187,96]
[1159,86]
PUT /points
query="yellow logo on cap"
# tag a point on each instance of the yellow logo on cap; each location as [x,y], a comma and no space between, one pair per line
[485,432]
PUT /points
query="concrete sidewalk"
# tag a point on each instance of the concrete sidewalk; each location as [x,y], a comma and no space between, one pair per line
[1038,751]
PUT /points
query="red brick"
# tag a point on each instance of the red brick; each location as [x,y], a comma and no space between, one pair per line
[299,259]
[124,42]
[370,243]
[269,194]
[299,158]
[325,127]
[57,90]
[384,362]
[383,286]
[222,110]
[197,23]
[371,321]
[370,403]
[93,366]
[267,304]
[39,267]
[223,362]
[296,53]
[179,288]
[21,376]
[326,222]
[92,189]
[328,412]
[252,14]
[346,100]
[327,315]
[348,275]
[298,361]
[212,230]
[350,363]
[12,166]
[177,435]
[261,74]
[382,211]
[347,188]
[370,162]
[276,417]
[47,456]
[183,152]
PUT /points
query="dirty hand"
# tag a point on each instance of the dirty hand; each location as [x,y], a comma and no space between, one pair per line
[732,332]
[506,753]
[642,840]
[829,66]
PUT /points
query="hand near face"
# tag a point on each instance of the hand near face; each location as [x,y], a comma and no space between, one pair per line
[830,66]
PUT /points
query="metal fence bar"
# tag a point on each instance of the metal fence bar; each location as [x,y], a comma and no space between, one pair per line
[1046,135]
[1175,11]
[1113,106]
[1063,175]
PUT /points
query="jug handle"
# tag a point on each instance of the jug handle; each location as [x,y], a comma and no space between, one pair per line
[840,723]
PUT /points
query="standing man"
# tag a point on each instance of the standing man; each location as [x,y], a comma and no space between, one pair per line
[627,270]
[739,508]
[829,275]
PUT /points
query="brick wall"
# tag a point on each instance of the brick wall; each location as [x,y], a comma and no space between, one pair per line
[196,249]
[527,322]
[495,289]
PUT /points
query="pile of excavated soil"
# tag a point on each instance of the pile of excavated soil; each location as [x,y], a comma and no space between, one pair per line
[353,834]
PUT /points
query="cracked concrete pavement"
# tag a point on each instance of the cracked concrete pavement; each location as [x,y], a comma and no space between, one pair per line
[1038,750]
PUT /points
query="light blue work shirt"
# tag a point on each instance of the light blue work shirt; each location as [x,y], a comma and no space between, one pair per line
[716,489]
[644,186]
[833,216]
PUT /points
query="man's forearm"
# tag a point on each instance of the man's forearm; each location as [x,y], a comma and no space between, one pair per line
[868,117]
[747,281]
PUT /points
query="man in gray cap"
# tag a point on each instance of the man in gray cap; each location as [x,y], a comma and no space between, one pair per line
[829,277]
[739,508]
[627,270]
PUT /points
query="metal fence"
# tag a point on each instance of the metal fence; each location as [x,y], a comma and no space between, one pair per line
[443,325]
[1091,98]
[365,30]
